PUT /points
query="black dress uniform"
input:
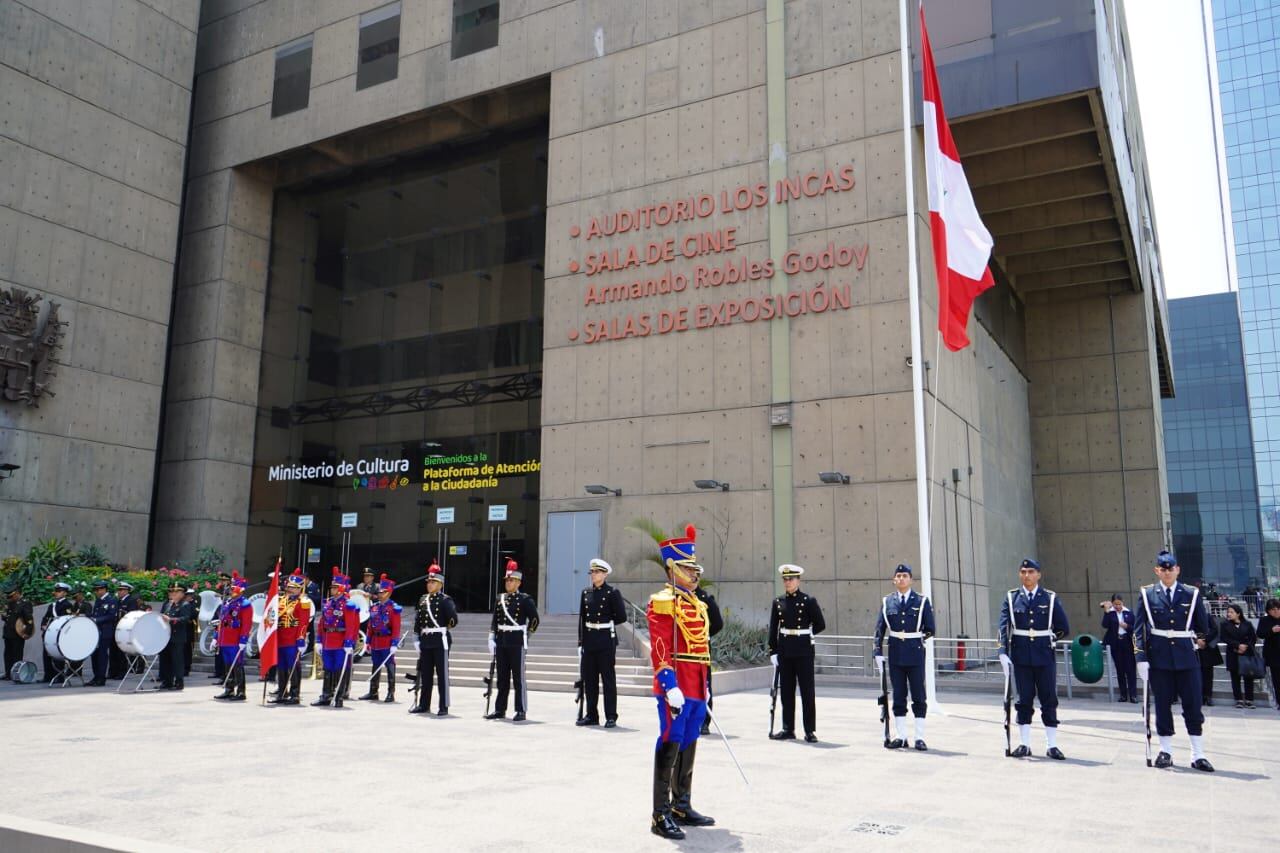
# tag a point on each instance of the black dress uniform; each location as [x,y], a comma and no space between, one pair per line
[193,632]
[14,643]
[793,621]
[600,610]
[171,658]
[715,624]
[104,613]
[436,614]
[126,604]
[58,607]
[515,617]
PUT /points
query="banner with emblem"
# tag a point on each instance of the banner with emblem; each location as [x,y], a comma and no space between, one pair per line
[267,652]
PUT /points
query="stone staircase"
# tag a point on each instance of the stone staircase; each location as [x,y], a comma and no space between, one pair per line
[551,664]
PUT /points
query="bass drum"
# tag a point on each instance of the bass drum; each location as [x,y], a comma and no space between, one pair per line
[142,633]
[208,642]
[71,638]
[23,672]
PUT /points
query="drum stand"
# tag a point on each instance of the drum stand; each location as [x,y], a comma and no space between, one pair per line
[142,679]
[70,671]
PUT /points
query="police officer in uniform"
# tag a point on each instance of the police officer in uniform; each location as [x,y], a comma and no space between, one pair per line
[1031,621]
[1172,621]
[515,617]
[600,610]
[383,634]
[60,606]
[104,613]
[794,620]
[369,586]
[126,603]
[177,613]
[436,615]
[906,617]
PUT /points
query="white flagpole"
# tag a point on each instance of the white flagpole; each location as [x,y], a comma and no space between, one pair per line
[923,483]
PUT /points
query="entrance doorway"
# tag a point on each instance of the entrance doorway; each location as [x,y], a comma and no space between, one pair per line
[573,538]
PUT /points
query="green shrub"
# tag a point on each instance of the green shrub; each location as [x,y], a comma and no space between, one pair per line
[739,644]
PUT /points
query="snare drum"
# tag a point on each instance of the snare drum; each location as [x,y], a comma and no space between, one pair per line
[71,638]
[23,672]
[142,633]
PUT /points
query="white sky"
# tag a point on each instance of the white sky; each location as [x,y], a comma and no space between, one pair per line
[1167,42]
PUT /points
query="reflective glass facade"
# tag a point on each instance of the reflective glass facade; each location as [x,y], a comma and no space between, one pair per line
[1208,446]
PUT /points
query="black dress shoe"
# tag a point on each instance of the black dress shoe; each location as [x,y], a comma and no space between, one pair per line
[1133,699]
[1202,764]
[664,826]
[443,712]
[518,717]
[1020,751]
[587,721]
[690,817]
[783,735]
[417,709]
[1208,701]
[1056,754]
[370,696]
[1164,760]
[495,716]
[922,746]
[705,729]
[609,724]
[97,682]
[896,743]
[810,737]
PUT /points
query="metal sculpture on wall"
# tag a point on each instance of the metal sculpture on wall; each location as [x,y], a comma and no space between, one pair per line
[27,346]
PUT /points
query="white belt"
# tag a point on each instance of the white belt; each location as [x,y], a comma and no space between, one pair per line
[601,626]
[1032,633]
[513,627]
[796,632]
[1173,635]
[434,630]
[907,635]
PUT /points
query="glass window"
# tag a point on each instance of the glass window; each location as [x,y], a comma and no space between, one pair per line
[475,26]
[379,59]
[292,89]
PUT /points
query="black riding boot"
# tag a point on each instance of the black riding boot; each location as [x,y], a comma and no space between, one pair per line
[343,680]
[664,759]
[682,789]
[326,691]
[391,687]
[228,688]
[374,684]
[240,686]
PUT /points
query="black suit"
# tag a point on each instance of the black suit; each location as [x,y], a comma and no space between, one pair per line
[1122,650]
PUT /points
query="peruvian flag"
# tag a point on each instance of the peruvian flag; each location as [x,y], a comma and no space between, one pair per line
[267,653]
[961,243]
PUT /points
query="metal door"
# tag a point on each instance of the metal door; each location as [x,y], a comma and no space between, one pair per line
[573,538]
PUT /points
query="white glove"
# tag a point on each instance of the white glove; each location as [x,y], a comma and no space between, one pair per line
[773,659]
[417,645]
[244,647]
[493,645]
[1144,669]
[579,652]
[1005,663]
[675,698]
[879,664]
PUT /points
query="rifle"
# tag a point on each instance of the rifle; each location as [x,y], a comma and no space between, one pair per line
[773,698]
[1146,714]
[883,701]
[488,682]
[1008,710]
[580,686]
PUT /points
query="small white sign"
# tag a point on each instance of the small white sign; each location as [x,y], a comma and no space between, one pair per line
[349,519]
[444,515]
[306,522]
[498,512]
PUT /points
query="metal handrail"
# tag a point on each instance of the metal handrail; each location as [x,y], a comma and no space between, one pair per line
[638,619]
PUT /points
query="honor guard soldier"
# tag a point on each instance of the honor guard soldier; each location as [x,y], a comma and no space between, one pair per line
[1171,621]
[18,626]
[1031,622]
[293,618]
[127,602]
[60,606]
[369,586]
[716,622]
[233,638]
[223,588]
[436,615]
[177,613]
[383,633]
[793,622]
[680,649]
[104,614]
[906,617]
[515,617]
[339,624]
[599,612]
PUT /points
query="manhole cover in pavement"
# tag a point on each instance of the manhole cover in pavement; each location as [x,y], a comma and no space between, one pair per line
[871,828]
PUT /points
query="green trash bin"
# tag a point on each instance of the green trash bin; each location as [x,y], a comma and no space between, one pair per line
[1086,658]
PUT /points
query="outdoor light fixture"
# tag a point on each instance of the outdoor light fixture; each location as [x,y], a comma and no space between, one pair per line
[711,484]
[7,469]
[602,490]
[833,478]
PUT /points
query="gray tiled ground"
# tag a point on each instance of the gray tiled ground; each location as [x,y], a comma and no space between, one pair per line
[181,769]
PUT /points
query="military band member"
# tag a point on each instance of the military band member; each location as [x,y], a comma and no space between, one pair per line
[599,612]
[293,619]
[127,602]
[18,626]
[83,606]
[177,613]
[515,617]
[1172,621]
[383,635]
[716,622]
[793,622]
[680,650]
[60,606]
[339,624]
[369,586]
[436,615]
[103,613]
[1031,622]
[234,629]
[906,617]
[193,630]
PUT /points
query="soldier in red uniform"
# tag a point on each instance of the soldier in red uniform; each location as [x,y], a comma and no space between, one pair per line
[383,632]
[293,618]
[233,638]
[681,652]
[339,624]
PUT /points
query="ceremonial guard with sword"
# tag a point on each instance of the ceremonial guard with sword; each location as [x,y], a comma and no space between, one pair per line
[60,606]
[436,615]
[233,639]
[383,633]
[293,619]
[906,617]
[680,649]
[793,622]
[716,622]
[515,617]
[339,624]
[600,611]
[1032,620]
[1172,622]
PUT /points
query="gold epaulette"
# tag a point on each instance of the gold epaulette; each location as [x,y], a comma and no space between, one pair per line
[663,602]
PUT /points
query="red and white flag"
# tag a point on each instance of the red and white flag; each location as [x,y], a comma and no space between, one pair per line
[267,653]
[961,243]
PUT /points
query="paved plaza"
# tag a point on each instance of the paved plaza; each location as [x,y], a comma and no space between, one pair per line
[184,771]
